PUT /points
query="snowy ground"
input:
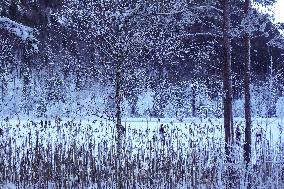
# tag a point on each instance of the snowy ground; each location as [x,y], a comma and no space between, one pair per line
[98,129]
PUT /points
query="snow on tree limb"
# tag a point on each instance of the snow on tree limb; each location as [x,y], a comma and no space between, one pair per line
[277,41]
[209,7]
[25,33]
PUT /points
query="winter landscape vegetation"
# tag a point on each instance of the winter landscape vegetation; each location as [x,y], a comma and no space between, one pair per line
[162,94]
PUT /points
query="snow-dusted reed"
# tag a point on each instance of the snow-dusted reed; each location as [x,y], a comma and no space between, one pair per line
[190,154]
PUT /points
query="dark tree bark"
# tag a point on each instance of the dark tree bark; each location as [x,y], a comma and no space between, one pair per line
[247,145]
[227,80]
[193,100]
[26,70]
[118,96]
[119,127]
[27,73]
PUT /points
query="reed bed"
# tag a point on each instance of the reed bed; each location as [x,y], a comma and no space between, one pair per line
[77,154]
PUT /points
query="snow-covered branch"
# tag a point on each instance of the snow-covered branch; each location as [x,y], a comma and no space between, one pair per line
[278,41]
[217,35]
[25,33]
[170,13]
[208,7]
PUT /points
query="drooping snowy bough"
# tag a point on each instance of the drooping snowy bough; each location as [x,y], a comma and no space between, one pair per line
[278,41]
[25,33]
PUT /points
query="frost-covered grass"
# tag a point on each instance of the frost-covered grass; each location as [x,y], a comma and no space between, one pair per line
[82,154]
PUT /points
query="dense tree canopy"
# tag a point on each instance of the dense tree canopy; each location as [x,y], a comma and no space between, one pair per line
[171,43]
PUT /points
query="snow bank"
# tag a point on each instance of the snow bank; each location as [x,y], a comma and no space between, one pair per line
[9,186]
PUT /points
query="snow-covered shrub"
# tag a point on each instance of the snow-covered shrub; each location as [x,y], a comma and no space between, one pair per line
[280,107]
[263,100]
[55,89]
[126,108]
[207,104]
[40,107]
[170,111]
[238,108]
[145,102]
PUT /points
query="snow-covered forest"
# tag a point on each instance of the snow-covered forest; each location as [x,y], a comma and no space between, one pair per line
[141,94]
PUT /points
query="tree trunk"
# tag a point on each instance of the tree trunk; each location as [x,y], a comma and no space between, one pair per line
[193,100]
[227,80]
[26,70]
[119,131]
[247,145]
[118,96]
